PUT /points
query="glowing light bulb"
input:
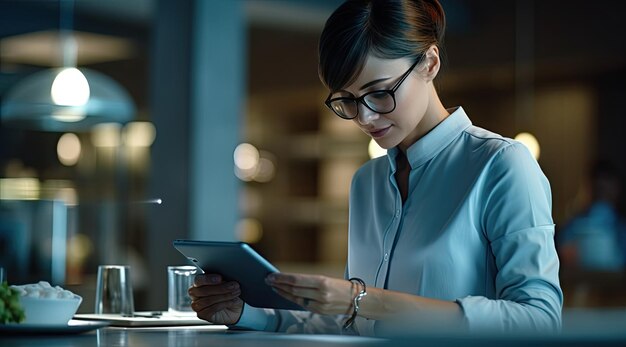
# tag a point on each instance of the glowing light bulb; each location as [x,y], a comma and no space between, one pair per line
[70,88]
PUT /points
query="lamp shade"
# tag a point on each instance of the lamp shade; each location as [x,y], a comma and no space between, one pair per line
[42,102]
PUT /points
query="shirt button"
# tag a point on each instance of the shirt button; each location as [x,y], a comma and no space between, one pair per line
[386,256]
[397,213]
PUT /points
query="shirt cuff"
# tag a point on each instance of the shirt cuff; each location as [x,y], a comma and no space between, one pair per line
[253,318]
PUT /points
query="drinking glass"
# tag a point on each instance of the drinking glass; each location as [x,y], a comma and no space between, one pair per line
[179,279]
[114,291]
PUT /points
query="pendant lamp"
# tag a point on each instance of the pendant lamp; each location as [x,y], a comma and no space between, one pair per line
[66,98]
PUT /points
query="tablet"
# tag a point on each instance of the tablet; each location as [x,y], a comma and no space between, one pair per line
[237,261]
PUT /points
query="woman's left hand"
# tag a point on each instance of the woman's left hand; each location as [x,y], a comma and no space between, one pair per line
[319,294]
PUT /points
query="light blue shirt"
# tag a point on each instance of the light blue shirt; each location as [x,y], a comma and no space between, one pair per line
[476,228]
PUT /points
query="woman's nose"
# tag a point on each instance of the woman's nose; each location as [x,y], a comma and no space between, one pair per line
[366,116]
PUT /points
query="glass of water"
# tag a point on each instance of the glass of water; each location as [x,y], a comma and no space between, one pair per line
[179,279]
[114,291]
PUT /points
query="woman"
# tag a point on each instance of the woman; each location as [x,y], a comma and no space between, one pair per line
[455,222]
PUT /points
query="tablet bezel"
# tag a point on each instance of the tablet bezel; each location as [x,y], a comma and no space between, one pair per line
[236,261]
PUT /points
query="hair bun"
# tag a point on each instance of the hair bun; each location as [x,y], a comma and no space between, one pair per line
[437,16]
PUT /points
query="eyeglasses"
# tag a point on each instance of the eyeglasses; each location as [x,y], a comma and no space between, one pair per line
[379,101]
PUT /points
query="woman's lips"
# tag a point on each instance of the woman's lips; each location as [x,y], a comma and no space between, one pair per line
[380,132]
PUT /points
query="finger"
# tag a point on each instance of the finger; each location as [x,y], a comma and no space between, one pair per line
[310,293]
[293,279]
[287,295]
[209,290]
[208,313]
[207,279]
[205,302]
[308,303]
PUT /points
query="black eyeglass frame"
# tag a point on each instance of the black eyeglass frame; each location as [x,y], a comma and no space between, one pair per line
[361,99]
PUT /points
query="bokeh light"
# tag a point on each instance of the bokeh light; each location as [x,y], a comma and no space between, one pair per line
[249,230]
[139,134]
[374,150]
[68,149]
[106,135]
[530,141]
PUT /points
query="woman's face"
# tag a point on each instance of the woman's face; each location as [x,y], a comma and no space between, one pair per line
[402,126]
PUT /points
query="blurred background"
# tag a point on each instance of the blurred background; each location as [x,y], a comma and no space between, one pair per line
[205,120]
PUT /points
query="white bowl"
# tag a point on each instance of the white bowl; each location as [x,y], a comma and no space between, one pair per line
[49,311]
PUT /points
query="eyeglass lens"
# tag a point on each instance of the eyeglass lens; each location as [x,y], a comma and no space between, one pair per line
[379,101]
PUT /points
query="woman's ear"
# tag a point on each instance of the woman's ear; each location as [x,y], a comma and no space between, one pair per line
[432,63]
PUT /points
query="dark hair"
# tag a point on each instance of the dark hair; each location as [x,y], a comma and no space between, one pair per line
[388,29]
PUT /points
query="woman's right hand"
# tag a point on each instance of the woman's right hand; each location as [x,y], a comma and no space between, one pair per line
[216,301]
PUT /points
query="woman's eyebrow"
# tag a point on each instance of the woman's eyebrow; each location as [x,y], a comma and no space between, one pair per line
[371,83]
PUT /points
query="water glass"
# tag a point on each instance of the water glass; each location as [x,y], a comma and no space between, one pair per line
[114,291]
[179,279]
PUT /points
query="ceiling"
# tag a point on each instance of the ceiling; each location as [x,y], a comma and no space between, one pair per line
[107,30]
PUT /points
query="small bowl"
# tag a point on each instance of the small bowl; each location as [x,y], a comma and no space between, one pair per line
[49,311]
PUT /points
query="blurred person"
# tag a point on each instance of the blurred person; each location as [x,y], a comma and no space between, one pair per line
[454,223]
[595,238]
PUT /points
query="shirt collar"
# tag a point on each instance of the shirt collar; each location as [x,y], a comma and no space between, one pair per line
[434,141]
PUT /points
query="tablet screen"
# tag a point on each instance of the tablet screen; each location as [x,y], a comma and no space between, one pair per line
[237,261]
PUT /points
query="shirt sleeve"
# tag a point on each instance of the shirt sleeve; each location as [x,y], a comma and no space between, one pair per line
[253,318]
[517,221]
